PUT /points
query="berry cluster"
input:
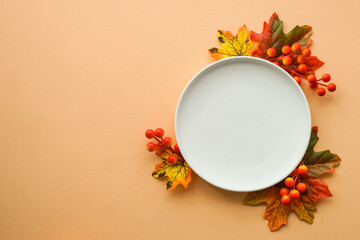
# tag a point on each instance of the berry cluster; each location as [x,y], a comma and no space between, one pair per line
[292,192]
[163,144]
[297,56]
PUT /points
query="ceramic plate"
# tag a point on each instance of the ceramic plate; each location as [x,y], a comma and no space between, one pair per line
[243,124]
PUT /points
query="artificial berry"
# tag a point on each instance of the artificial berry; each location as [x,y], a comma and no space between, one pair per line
[159,132]
[311,78]
[176,148]
[276,63]
[326,77]
[296,47]
[149,133]
[306,52]
[286,49]
[297,79]
[289,182]
[285,200]
[294,194]
[301,59]
[284,191]
[172,159]
[302,68]
[302,170]
[151,146]
[301,187]
[168,141]
[271,52]
[331,87]
[286,61]
[313,85]
[321,91]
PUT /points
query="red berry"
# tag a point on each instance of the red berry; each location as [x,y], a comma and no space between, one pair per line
[284,191]
[286,49]
[301,59]
[176,148]
[311,78]
[297,79]
[172,159]
[301,187]
[331,87]
[286,61]
[306,52]
[271,52]
[302,68]
[159,132]
[321,91]
[313,85]
[326,77]
[149,133]
[302,170]
[276,63]
[294,194]
[296,47]
[168,141]
[289,182]
[285,200]
[151,146]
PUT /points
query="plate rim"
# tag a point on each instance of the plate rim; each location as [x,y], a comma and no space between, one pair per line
[234,59]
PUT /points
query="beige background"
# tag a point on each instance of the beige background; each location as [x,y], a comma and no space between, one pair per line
[80,82]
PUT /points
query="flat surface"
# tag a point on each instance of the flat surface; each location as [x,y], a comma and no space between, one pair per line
[81,81]
[243,124]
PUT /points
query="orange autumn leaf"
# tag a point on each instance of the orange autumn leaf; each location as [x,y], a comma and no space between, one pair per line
[178,173]
[238,45]
[318,164]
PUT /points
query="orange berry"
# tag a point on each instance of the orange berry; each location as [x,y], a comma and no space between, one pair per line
[168,141]
[297,79]
[302,68]
[271,52]
[286,61]
[301,187]
[294,194]
[276,63]
[151,146]
[296,47]
[285,200]
[311,78]
[313,85]
[321,91]
[301,59]
[286,49]
[331,87]
[159,132]
[284,191]
[289,182]
[149,133]
[302,169]
[326,77]
[306,52]
[176,148]
[172,159]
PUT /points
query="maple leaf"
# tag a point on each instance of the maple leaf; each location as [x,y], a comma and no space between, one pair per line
[238,45]
[318,163]
[178,173]
[273,36]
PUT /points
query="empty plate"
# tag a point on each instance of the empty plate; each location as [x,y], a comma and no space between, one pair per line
[243,124]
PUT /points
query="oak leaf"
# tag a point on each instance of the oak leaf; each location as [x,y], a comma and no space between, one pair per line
[238,45]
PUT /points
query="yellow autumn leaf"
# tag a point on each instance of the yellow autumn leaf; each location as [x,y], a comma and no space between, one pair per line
[178,173]
[238,45]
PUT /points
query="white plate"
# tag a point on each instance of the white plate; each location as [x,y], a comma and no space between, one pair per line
[243,124]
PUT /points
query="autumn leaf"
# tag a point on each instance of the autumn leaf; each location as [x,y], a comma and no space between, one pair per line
[238,45]
[273,36]
[178,173]
[318,163]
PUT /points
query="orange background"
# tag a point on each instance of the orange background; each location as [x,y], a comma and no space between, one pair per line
[82,80]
